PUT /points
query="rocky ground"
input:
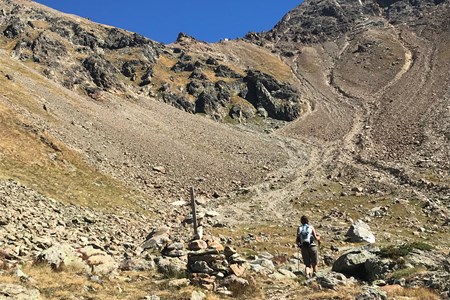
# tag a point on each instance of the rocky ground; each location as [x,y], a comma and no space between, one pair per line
[340,112]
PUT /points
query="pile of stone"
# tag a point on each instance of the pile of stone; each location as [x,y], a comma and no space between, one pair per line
[206,262]
[213,266]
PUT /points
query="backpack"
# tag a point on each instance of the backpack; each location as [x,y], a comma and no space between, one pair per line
[305,237]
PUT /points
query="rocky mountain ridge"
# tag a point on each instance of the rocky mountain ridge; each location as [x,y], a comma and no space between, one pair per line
[340,112]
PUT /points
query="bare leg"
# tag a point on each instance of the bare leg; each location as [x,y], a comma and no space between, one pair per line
[308,271]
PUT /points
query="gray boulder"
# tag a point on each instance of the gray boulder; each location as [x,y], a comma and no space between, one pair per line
[18,292]
[233,282]
[360,232]
[371,293]
[60,256]
[333,280]
[377,268]
[99,261]
[353,263]
[427,259]
[174,250]
[157,238]
[171,267]
[201,267]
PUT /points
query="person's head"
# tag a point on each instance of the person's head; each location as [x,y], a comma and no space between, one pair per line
[304,220]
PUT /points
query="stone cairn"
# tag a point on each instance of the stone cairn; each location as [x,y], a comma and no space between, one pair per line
[213,266]
[204,260]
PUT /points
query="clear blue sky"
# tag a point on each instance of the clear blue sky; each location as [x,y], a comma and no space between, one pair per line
[206,20]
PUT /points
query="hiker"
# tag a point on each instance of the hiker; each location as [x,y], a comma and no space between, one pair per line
[307,240]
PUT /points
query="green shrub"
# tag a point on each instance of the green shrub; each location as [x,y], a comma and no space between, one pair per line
[395,252]
[421,246]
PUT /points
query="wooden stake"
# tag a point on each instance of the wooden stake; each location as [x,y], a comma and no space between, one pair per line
[194,212]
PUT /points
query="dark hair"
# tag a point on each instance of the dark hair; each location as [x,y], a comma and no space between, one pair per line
[304,220]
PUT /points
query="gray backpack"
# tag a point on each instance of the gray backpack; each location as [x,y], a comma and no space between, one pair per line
[305,235]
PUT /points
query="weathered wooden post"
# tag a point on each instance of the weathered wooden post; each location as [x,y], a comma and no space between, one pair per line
[194,212]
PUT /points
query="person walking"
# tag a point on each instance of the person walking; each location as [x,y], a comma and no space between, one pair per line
[308,240]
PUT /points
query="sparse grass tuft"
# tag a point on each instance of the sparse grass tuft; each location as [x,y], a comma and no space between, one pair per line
[408,272]
[395,252]
[419,293]
[37,160]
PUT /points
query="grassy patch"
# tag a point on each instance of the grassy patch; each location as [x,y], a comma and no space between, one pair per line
[69,283]
[258,58]
[163,73]
[41,162]
[408,272]
[395,252]
[419,293]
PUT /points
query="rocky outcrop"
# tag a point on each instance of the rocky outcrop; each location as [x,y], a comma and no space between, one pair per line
[422,268]
[320,21]
[103,73]
[317,21]
[74,55]
[257,91]
[280,100]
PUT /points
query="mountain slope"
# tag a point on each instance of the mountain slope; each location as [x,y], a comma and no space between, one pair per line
[374,80]
[341,112]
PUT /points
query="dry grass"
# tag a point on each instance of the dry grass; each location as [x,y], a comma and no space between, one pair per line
[39,161]
[256,57]
[19,95]
[41,24]
[309,61]
[407,273]
[398,292]
[163,74]
[75,284]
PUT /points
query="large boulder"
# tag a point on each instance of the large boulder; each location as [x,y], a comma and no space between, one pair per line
[171,267]
[360,232]
[353,263]
[235,283]
[99,261]
[18,292]
[377,268]
[60,256]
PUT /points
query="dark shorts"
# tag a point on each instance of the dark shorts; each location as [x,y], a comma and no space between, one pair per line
[309,255]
